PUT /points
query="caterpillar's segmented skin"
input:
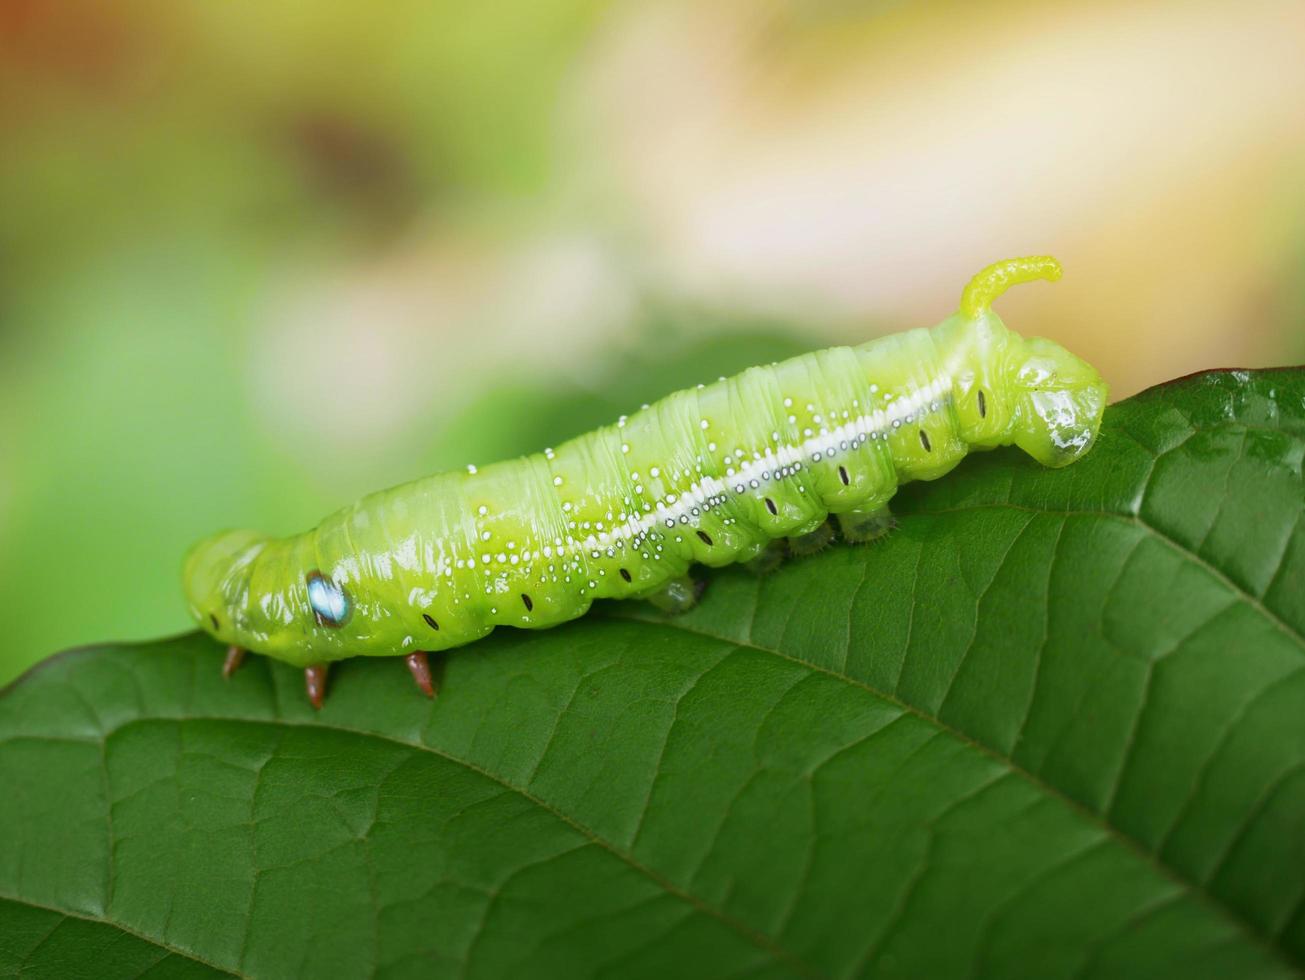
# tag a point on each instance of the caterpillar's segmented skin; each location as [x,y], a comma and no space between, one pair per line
[709,475]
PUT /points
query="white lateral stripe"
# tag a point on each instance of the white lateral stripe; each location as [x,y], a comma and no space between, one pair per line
[861,428]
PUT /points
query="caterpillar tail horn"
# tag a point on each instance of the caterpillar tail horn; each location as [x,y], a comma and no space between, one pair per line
[992,281]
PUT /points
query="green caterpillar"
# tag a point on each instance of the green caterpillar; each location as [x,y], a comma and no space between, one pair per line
[718,474]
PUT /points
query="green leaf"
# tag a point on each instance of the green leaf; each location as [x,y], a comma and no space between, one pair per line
[1053,726]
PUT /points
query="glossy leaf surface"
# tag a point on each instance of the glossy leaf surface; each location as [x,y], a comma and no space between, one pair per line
[1053,726]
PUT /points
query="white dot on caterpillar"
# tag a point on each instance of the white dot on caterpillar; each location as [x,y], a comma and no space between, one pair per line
[788,402]
[471,468]
[625,447]
[484,535]
[705,424]
[566,506]
[482,510]
[652,472]
[557,481]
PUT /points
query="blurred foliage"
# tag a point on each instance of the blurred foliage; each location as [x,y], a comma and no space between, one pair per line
[124,476]
[164,169]
[257,260]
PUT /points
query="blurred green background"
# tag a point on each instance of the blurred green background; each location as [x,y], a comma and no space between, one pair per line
[257,259]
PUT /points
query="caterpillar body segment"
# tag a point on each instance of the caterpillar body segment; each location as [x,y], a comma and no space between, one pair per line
[711,475]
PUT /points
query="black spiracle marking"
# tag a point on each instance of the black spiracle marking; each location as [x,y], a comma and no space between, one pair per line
[983,405]
[705,538]
[924,441]
[430,621]
[530,605]
[625,575]
[842,475]
[212,618]
[770,506]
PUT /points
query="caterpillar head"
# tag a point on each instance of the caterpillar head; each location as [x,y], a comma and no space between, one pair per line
[268,595]
[213,583]
[1057,402]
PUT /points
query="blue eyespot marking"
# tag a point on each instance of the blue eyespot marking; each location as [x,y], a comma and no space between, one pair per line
[331,604]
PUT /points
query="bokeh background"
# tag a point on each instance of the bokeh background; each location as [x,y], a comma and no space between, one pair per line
[257,259]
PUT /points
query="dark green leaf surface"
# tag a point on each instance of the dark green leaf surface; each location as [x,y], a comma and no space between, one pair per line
[1054,726]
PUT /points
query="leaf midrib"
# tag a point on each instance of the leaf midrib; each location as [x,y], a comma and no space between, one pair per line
[1135,520]
[128,930]
[754,936]
[1100,819]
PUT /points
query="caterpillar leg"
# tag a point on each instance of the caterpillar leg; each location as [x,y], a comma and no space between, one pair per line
[813,541]
[769,559]
[315,684]
[864,526]
[235,657]
[679,595]
[419,667]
